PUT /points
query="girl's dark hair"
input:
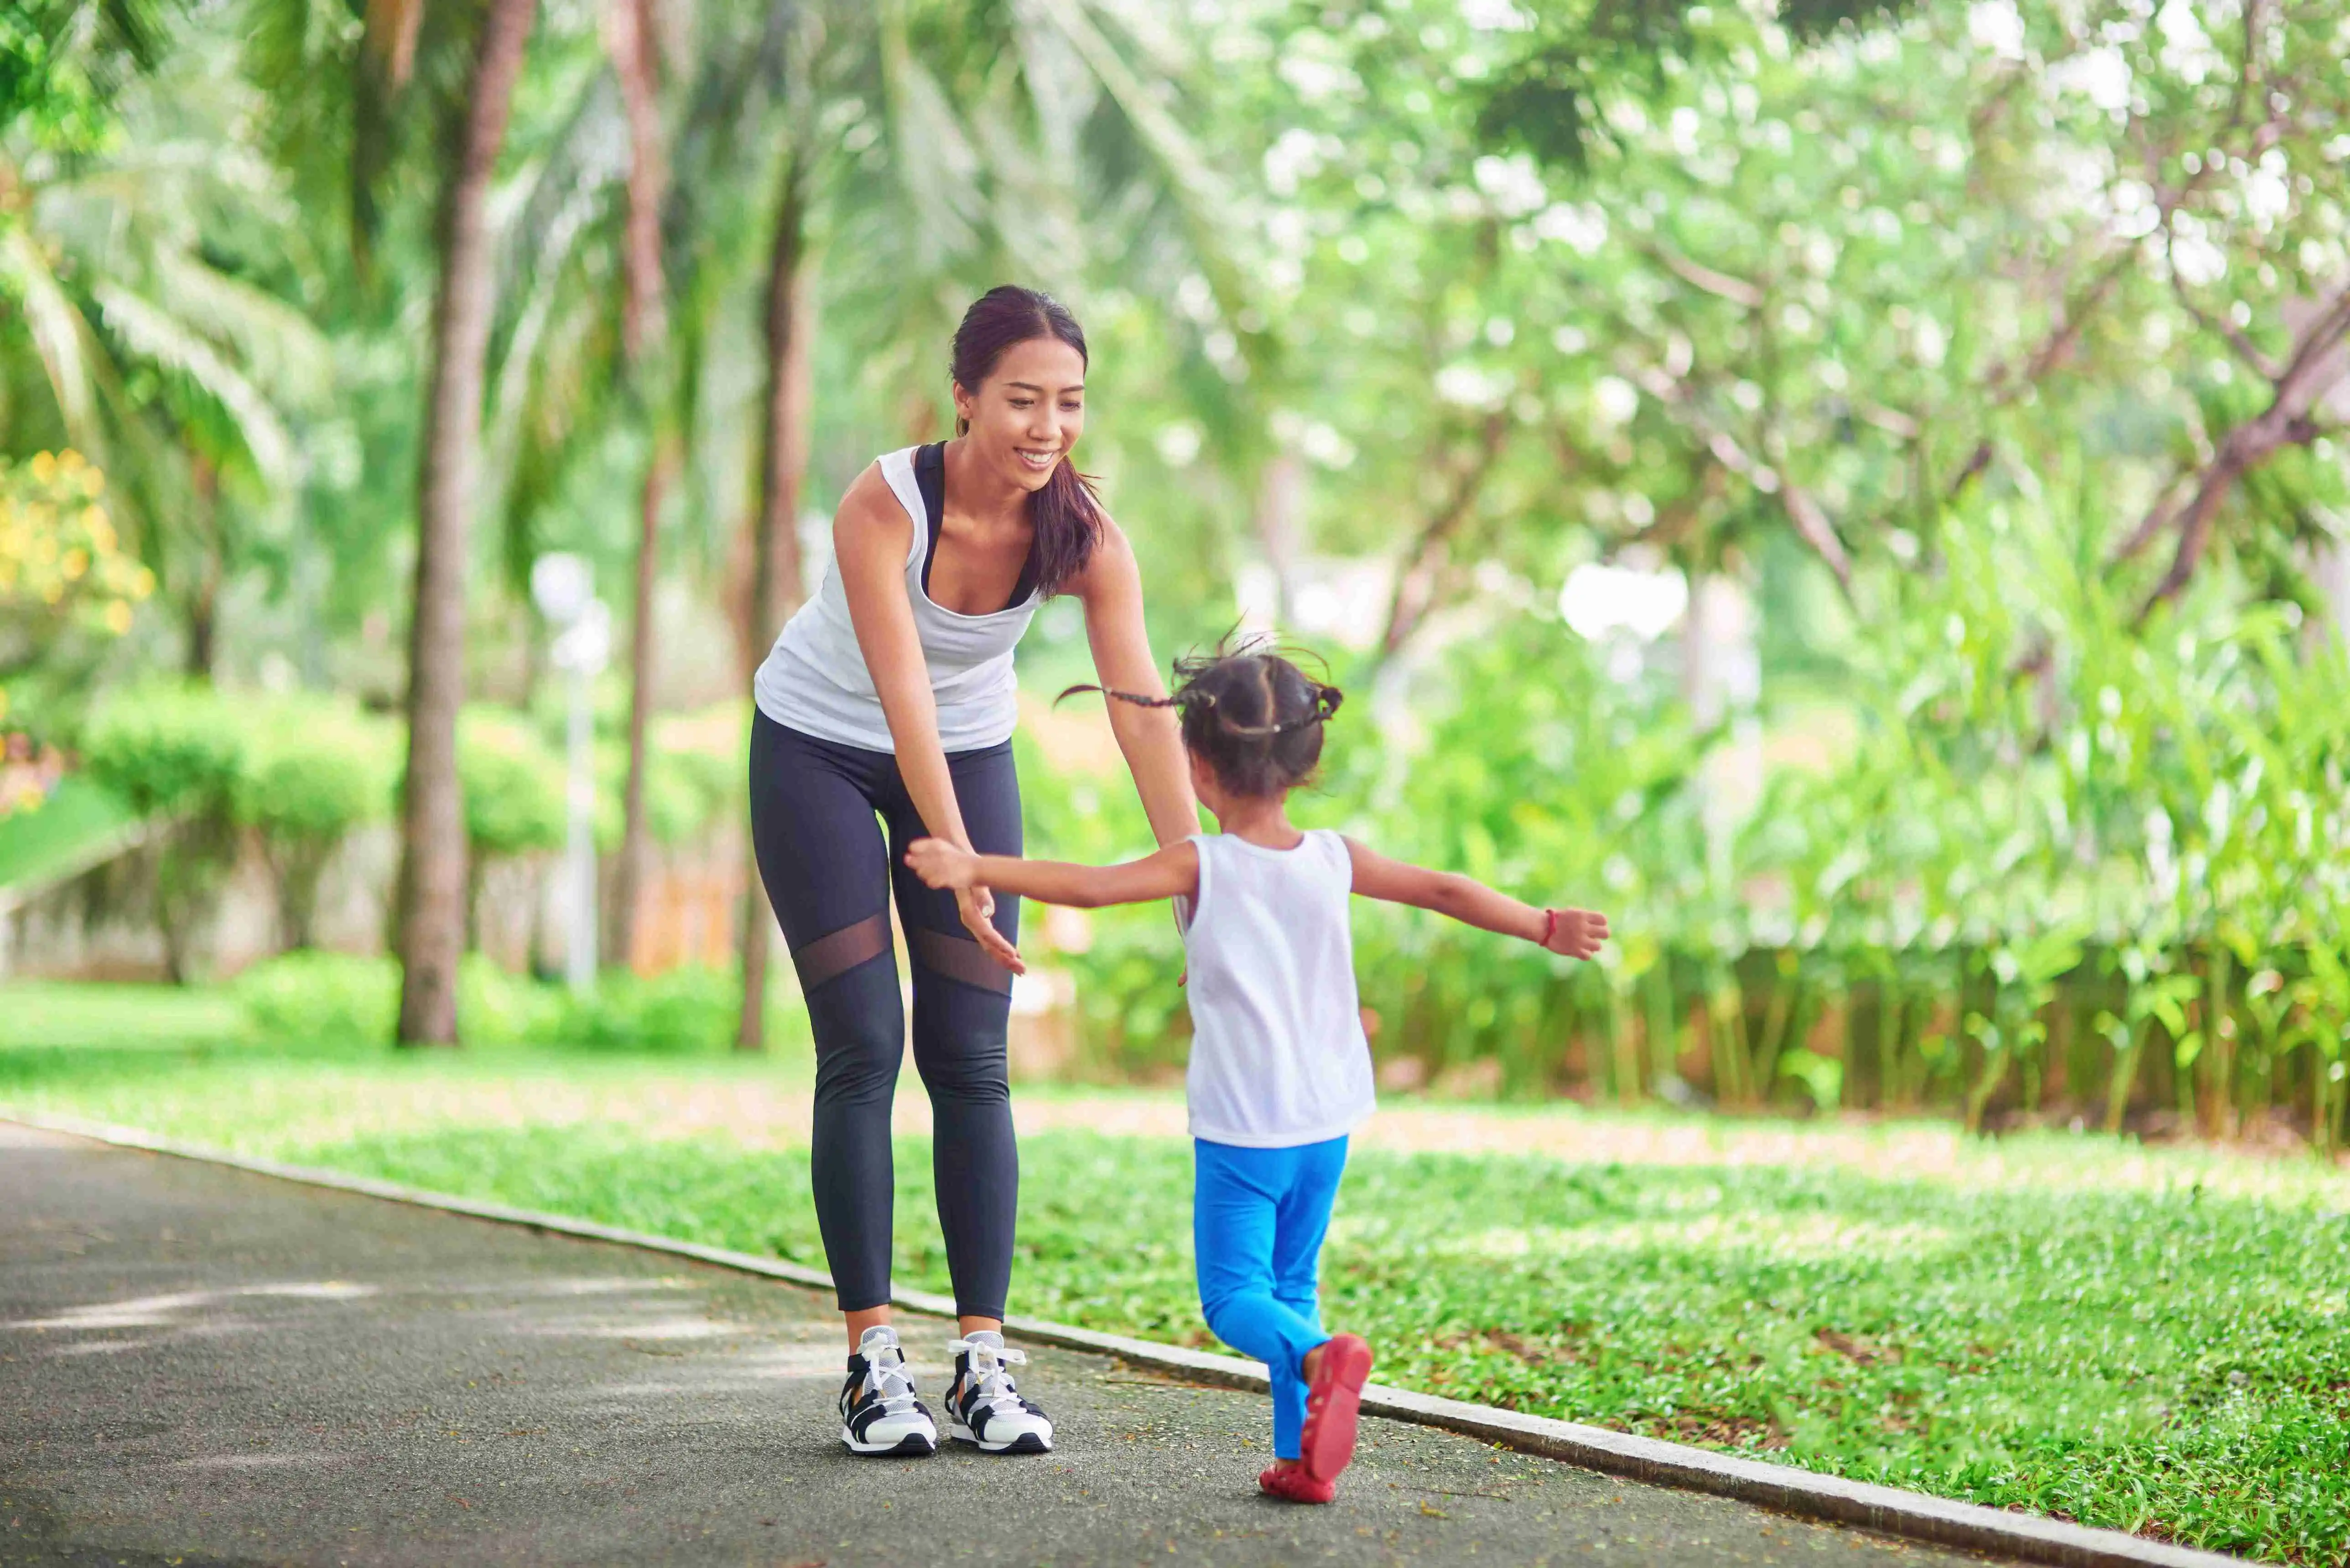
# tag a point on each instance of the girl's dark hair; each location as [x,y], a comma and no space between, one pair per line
[1253,716]
[1067,514]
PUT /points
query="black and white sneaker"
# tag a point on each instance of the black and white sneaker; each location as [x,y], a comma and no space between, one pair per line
[878,1412]
[985,1409]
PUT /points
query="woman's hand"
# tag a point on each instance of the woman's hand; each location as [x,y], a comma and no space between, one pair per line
[941,864]
[1574,933]
[977,908]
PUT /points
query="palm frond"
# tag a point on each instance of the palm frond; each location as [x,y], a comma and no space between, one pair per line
[1192,182]
[930,153]
[60,335]
[153,334]
[275,342]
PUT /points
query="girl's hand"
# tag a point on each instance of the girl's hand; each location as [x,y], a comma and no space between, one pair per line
[943,865]
[1574,933]
[977,908]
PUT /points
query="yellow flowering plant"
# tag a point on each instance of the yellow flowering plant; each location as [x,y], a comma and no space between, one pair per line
[65,583]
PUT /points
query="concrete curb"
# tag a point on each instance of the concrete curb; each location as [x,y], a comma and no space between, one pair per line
[1784,1488]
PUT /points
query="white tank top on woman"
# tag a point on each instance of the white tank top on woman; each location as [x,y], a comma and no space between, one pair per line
[1278,1057]
[815,680]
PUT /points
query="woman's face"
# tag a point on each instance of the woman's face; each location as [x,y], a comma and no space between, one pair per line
[1029,411]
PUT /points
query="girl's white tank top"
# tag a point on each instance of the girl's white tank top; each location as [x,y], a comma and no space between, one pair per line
[815,680]
[1278,1057]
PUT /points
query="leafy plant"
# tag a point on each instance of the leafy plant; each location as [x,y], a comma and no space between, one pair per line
[312,771]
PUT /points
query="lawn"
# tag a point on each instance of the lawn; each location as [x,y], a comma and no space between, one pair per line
[76,819]
[2155,1340]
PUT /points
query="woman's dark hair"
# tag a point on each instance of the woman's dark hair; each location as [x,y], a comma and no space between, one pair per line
[1253,716]
[1067,514]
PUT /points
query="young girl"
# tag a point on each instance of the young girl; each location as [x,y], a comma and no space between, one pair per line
[1279,1070]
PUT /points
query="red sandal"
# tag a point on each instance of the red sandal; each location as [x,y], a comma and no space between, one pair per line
[1333,1403]
[1292,1484]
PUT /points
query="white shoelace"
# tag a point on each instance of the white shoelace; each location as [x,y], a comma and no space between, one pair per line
[885,1373]
[987,1363]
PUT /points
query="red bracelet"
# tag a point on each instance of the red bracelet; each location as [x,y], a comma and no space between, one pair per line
[1550,927]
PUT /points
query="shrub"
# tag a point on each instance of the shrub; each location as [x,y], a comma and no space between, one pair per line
[166,749]
[513,787]
[343,999]
[67,586]
[682,1010]
[317,998]
[172,751]
[496,1008]
[313,770]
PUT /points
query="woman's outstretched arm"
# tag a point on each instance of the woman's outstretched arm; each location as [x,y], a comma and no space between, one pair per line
[1173,872]
[1110,589]
[871,536]
[1573,933]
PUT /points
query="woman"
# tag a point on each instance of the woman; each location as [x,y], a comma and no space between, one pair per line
[891,691]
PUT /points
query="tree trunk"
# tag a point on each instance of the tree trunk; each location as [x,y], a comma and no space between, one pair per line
[775,539]
[629,873]
[629,40]
[432,919]
[204,599]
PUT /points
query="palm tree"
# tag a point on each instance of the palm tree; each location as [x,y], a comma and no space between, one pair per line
[775,576]
[431,916]
[143,321]
[631,38]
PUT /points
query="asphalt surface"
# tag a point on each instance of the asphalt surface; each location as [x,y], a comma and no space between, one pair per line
[202,1366]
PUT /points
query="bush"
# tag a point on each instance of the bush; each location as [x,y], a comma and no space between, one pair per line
[346,1000]
[67,587]
[172,751]
[321,997]
[315,998]
[513,787]
[166,749]
[682,1010]
[313,770]
[496,1007]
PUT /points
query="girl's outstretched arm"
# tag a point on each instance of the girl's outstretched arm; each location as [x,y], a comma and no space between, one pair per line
[1574,933]
[1173,872]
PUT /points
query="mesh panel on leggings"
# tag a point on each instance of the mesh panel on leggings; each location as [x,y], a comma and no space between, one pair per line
[836,952]
[958,958]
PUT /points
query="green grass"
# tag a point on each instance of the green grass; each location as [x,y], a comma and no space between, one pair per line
[75,818]
[182,1021]
[2157,1342]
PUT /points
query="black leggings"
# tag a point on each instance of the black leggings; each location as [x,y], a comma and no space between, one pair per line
[828,875]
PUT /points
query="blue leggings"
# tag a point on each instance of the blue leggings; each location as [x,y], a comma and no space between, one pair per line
[1258,1217]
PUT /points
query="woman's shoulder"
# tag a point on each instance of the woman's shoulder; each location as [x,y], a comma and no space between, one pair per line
[876,498]
[1110,565]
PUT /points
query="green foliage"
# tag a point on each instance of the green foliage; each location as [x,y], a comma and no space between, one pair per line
[513,785]
[313,770]
[341,1000]
[684,1009]
[61,62]
[67,587]
[166,750]
[320,1000]
[333,1001]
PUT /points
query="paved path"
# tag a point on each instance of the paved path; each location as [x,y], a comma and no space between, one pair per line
[203,1367]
